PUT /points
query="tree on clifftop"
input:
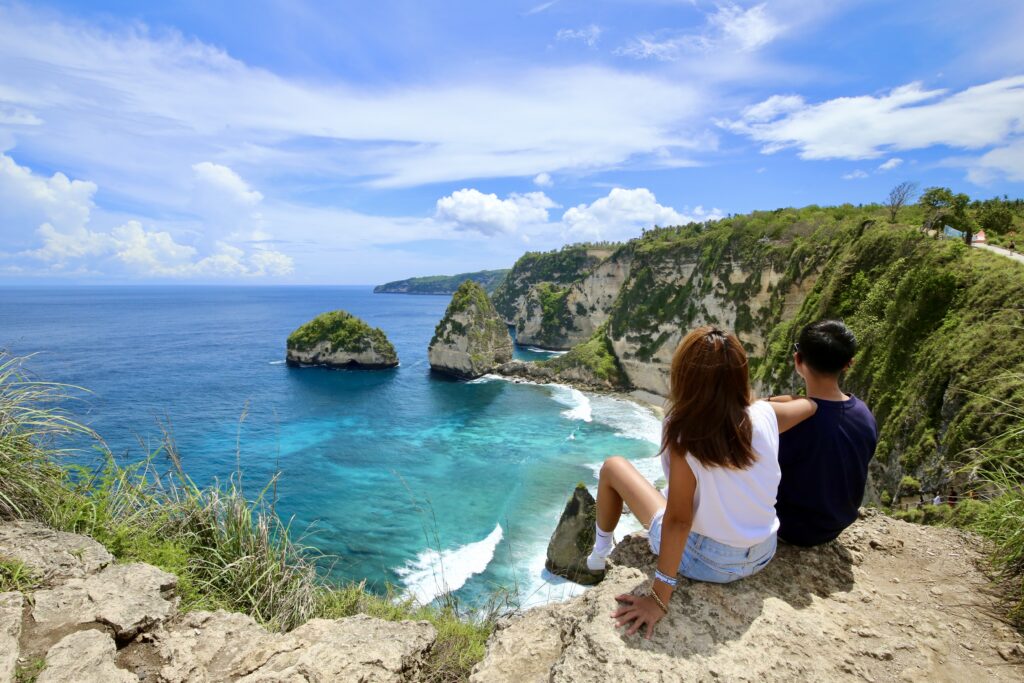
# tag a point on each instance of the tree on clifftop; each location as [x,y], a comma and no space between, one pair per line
[899,196]
[942,207]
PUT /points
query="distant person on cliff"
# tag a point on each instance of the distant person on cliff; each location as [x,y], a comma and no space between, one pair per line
[720,458]
[825,459]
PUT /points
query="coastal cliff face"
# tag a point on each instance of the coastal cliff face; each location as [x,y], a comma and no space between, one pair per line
[746,274]
[471,340]
[340,340]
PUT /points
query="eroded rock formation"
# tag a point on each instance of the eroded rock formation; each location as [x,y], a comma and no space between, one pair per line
[471,340]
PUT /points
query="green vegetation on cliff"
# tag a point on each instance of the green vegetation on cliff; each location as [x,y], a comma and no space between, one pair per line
[345,332]
[443,284]
[558,267]
[594,357]
[470,298]
[939,342]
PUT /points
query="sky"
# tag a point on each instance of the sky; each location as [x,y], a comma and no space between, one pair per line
[299,142]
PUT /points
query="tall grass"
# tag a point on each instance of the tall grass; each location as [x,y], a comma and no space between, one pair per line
[228,551]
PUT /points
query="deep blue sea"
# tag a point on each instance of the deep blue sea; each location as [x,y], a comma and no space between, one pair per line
[404,475]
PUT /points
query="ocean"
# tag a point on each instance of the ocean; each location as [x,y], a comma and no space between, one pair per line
[403,476]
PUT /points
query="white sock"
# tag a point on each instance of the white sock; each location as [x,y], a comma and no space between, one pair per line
[603,544]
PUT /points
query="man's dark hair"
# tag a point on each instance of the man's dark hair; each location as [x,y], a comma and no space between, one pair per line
[827,346]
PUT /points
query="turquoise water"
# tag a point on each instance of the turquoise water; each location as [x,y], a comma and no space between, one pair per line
[404,475]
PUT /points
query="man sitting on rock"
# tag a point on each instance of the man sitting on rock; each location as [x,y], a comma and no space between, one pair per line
[824,460]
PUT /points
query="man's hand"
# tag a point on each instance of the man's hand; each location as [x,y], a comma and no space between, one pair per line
[640,609]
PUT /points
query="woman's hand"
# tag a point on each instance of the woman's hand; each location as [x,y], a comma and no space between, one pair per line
[640,609]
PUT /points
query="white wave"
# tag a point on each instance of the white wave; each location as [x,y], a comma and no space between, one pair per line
[576,400]
[434,573]
[484,379]
[537,349]
[277,362]
[630,420]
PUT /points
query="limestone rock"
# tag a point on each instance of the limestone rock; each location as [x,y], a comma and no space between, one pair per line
[215,646]
[220,646]
[573,539]
[358,648]
[11,605]
[471,340]
[84,657]
[127,597]
[340,340]
[52,555]
[812,614]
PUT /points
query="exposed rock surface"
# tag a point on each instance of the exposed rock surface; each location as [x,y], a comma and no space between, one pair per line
[84,657]
[471,340]
[11,606]
[53,555]
[340,340]
[128,598]
[888,601]
[96,622]
[573,539]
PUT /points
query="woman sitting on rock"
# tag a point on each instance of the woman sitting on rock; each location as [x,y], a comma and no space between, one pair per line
[720,456]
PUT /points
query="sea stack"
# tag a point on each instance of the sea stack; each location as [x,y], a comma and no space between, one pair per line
[471,340]
[340,340]
[574,539]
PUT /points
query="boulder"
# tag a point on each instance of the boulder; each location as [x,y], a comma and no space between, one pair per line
[471,339]
[52,555]
[340,340]
[220,646]
[574,539]
[11,605]
[129,598]
[84,657]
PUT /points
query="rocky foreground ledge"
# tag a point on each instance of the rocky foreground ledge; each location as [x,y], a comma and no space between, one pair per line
[889,601]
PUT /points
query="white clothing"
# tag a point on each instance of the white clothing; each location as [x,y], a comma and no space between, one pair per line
[737,507]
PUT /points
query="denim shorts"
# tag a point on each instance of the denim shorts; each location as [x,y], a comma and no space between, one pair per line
[705,559]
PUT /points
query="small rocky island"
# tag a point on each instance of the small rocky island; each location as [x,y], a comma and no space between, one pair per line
[471,340]
[338,339]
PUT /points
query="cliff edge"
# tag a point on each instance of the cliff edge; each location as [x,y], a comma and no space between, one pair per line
[887,601]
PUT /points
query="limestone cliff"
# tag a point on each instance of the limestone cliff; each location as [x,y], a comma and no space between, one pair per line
[471,340]
[747,273]
[340,340]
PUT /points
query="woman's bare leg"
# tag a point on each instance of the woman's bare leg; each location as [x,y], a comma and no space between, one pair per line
[621,482]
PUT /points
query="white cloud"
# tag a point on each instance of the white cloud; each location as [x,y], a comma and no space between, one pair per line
[890,164]
[543,180]
[588,34]
[855,175]
[226,182]
[730,27]
[470,209]
[132,105]
[57,213]
[622,213]
[907,117]
[1005,161]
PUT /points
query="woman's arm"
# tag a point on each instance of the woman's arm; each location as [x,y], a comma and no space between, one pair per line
[792,413]
[675,529]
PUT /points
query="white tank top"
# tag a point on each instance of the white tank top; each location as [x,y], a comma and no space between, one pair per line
[737,507]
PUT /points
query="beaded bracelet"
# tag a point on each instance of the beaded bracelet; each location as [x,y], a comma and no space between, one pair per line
[665,578]
[658,600]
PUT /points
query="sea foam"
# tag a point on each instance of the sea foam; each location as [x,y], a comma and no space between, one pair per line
[578,402]
[434,573]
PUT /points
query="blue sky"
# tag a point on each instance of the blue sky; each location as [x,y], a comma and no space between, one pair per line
[291,142]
